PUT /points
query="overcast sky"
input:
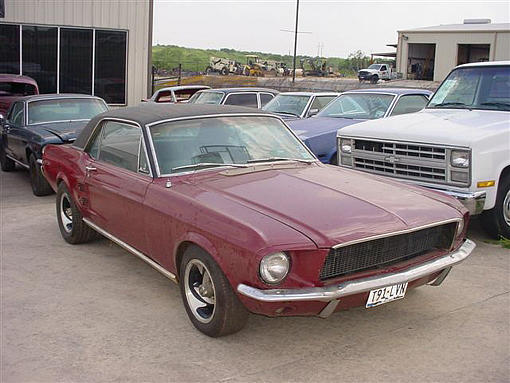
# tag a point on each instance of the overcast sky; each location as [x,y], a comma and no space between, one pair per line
[341,26]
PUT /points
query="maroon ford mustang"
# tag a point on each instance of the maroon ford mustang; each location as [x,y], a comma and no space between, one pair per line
[227,202]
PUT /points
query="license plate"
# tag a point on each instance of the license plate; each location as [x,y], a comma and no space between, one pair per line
[386,294]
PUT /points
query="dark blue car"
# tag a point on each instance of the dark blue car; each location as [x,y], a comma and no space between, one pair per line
[33,122]
[319,132]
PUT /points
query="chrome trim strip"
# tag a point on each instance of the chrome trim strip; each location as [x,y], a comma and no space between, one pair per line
[329,293]
[39,161]
[52,122]
[18,161]
[473,201]
[405,231]
[132,250]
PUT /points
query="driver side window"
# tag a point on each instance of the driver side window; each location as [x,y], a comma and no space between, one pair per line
[120,144]
[17,114]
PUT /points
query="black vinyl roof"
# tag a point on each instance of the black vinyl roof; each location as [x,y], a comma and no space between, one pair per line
[148,113]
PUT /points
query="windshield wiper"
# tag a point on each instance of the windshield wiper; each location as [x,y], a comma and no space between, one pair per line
[449,104]
[275,159]
[501,104]
[207,165]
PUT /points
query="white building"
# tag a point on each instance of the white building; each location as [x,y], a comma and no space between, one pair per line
[430,53]
[99,47]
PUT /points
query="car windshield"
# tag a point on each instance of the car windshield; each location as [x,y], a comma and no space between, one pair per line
[485,88]
[365,106]
[217,141]
[375,66]
[16,89]
[206,98]
[64,109]
[287,104]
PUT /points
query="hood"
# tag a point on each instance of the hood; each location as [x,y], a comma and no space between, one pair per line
[457,127]
[330,205]
[368,70]
[315,126]
[66,131]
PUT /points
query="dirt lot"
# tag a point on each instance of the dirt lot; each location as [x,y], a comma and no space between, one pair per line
[94,313]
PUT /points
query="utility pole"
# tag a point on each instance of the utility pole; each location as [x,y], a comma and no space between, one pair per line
[295,43]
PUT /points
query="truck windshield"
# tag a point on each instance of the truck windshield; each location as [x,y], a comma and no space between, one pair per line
[365,106]
[64,109]
[182,146]
[486,88]
[287,104]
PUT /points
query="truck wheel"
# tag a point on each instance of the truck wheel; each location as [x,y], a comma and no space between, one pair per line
[40,187]
[210,303]
[208,70]
[496,221]
[6,163]
[224,71]
[70,221]
[374,79]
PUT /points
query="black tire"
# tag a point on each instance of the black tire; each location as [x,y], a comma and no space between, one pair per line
[224,71]
[6,163]
[374,79]
[493,220]
[77,231]
[208,70]
[40,187]
[228,314]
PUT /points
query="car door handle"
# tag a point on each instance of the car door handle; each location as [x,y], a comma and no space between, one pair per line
[90,169]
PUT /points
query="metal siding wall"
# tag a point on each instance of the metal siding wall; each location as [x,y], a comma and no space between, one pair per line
[130,15]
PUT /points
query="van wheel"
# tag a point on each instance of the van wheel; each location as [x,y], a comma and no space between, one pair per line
[6,163]
[40,187]
[70,221]
[496,221]
[211,304]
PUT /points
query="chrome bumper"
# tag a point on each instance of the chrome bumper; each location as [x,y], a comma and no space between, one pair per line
[473,201]
[330,293]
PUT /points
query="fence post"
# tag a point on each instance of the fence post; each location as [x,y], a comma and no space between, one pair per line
[180,74]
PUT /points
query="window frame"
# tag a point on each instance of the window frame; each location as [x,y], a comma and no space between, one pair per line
[97,130]
[58,47]
[260,101]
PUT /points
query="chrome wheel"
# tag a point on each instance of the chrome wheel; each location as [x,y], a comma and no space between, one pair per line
[199,291]
[66,213]
[506,208]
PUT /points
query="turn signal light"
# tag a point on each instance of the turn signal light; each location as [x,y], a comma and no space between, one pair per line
[485,184]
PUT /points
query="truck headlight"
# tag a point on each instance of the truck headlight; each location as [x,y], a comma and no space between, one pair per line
[274,267]
[460,158]
[346,145]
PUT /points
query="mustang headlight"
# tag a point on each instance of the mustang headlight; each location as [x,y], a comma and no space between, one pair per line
[460,158]
[274,267]
[346,145]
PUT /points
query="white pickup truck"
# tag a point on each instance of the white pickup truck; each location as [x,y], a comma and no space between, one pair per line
[459,144]
[375,72]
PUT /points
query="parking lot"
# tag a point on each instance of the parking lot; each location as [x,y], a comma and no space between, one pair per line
[93,313]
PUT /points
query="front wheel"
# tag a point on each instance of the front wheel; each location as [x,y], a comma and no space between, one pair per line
[6,163]
[496,221]
[40,187]
[70,221]
[211,304]
[374,79]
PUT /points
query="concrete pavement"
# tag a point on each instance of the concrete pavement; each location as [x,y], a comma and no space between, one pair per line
[95,313]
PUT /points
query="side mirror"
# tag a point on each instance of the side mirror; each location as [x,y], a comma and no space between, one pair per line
[313,112]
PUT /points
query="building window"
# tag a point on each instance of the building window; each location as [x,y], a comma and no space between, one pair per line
[9,48]
[110,66]
[89,61]
[40,56]
[75,61]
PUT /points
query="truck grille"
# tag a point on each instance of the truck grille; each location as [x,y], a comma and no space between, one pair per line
[387,250]
[403,160]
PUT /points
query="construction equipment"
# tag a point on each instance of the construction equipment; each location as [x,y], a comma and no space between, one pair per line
[223,66]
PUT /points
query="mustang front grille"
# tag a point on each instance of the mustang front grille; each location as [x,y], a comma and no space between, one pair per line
[385,251]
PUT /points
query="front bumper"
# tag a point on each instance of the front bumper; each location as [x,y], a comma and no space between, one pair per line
[473,201]
[332,293]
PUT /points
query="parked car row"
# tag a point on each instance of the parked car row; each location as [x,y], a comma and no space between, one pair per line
[238,206]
